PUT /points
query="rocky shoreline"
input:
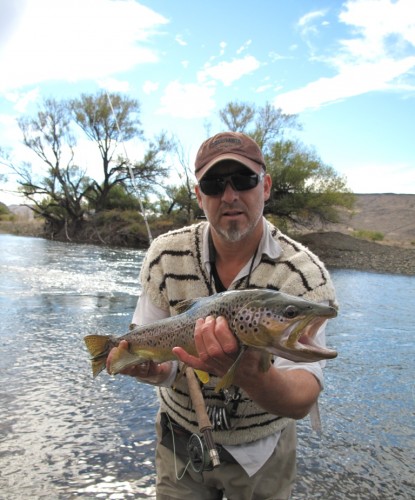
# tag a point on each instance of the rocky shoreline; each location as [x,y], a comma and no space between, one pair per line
[336,249]
[340,251]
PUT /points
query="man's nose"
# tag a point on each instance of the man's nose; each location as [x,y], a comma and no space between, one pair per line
[230,193]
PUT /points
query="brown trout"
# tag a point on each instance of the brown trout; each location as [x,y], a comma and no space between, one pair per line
[274,322]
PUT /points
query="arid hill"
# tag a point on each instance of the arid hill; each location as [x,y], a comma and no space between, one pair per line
[392,215]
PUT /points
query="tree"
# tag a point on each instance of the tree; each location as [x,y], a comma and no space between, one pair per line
[237,116]
[183,196]
[107,120]
[264,124]
[57,194]
[304,188]
[149,174]
[110,120]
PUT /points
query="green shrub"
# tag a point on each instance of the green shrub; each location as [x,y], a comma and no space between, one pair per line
[364,234]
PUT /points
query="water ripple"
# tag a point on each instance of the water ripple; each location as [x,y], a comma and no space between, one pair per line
[66,435]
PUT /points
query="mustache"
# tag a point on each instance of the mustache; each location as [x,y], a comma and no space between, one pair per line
[226,207]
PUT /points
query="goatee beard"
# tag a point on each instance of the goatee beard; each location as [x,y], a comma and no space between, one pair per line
[232,233]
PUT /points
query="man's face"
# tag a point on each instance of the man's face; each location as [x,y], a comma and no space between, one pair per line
[234,214]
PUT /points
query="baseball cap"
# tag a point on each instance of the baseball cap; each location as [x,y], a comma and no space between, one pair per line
[228,146]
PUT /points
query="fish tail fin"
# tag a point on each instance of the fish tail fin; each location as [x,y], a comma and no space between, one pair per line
[99,347]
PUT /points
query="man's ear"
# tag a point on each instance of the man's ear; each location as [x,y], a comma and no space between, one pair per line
[198,196]
[267,187]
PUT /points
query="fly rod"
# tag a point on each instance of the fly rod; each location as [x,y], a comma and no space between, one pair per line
[205,426]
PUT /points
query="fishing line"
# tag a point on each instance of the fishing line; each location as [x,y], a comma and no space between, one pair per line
[130,170]
[174,453]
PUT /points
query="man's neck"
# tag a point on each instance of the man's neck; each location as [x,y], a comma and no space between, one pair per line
[241,250]
[232,256]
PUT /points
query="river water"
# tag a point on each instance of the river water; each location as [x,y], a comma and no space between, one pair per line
[64,435]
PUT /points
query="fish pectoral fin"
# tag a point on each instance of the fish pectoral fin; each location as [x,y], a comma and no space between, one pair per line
[227,380]
[265,362]
[184,305]
[180,374]
[202,376]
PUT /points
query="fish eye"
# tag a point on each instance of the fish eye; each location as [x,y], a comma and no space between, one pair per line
[291,312]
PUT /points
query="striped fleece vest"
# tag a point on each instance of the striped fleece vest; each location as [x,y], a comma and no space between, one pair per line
[173,271]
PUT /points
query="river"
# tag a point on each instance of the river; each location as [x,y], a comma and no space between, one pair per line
[64,435]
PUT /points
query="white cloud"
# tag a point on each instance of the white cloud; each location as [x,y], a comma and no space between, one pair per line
[381,178]
[180,41]
[307,23]
[376,21]
[22,99]
[244,47]
[187,100]
[149,87]
[114,85]
[351,81]
[229,72]
[274,56]
[9,131]
[74,40]
[263,88]
[375,58]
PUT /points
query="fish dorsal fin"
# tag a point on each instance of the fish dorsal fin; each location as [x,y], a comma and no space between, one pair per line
[184,305]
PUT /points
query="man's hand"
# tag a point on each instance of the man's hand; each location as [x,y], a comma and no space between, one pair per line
[288,393]
[216,345]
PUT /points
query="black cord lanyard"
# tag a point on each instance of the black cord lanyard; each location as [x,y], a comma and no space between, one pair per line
[221,416]
[214,275]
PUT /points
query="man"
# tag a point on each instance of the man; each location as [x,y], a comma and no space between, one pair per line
[236,248]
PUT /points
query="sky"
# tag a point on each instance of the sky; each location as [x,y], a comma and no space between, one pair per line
[345,68]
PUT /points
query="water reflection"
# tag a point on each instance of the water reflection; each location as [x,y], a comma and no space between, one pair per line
[65,435]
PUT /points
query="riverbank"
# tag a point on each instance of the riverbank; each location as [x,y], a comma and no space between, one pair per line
[337,250]
[341,251]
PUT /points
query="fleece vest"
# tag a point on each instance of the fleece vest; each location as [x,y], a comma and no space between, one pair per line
[173,271]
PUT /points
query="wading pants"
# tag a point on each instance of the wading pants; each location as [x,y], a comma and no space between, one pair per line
[273,481]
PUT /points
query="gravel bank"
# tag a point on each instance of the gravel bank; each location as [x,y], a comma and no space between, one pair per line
[338,250]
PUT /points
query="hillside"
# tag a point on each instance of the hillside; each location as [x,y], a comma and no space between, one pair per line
[393,215]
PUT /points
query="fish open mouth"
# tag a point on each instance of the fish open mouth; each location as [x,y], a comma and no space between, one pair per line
[299,340]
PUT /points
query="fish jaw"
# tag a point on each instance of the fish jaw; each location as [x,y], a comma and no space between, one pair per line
[285,326]
[297,343]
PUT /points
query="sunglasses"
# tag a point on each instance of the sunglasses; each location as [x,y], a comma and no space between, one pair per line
[212,186]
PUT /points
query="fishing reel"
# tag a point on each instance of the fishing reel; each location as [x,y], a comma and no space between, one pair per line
[198,454]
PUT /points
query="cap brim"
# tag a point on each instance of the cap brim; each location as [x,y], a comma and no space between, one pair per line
[252,165]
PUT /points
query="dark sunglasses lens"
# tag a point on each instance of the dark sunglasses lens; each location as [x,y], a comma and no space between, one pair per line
[244,182]
[211,187]
[216,185]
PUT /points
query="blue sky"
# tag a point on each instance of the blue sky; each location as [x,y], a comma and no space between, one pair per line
[346,68]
